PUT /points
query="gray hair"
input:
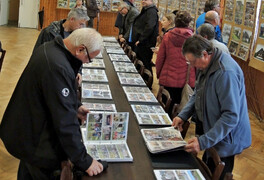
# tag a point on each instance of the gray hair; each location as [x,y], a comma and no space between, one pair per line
[88,37]
[206,30]
[78,13]
[124,5]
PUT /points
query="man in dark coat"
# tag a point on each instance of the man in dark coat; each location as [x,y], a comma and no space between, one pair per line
[145,30]
[92,9]
[40,125]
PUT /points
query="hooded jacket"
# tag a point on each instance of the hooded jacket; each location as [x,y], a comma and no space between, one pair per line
[40,124]
[171,65]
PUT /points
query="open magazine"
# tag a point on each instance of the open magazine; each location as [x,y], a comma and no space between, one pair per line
[132,79]
[119,57]
[109,39]
[124,67]
[163,139]
[151,115]
[100,107]
[96,63]
[105,136]
[94,75]
[111,44]
[114,50]
[95,91]
[178,174]
[139,94]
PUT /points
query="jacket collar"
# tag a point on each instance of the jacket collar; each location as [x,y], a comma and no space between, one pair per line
[214,64]
[74,62]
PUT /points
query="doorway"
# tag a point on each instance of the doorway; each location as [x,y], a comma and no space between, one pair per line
[13,13]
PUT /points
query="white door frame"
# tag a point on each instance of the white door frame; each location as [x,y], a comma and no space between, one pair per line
[28,13]
[4,11]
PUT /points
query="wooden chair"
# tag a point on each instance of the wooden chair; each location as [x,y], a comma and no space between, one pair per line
[139,66]
[133,57]
[127,49]
[219,165]
[164,98]
[123,44]
[2,56]
[148,78]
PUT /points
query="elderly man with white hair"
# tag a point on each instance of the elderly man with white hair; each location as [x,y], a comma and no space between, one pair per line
[40,125]
[207,31]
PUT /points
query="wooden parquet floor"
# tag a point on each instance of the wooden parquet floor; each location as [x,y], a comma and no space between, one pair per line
[19,43]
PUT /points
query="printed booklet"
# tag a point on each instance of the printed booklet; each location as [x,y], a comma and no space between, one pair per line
[163,139]
[151,115]
[119,57]
[178,174]
[124,67]
[109,39]
[105,136]
[95,91]
[96,63]
[94,75]
[131,79]
[111,44]
[114,50]
[100,107]
[139,94]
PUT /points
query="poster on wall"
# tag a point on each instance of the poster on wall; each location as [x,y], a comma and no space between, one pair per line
[249,13]
[229,10]
[243,52]
[239,12]
[201,4]
[236,33]
[115,4]
[106,5]
[233,47]
[246,36]
[62,4]
[226,32]
[259,53]
[72,3]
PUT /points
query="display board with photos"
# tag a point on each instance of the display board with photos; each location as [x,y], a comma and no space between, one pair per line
[133,79]
[139,95]
[138,5]
[162,8]
[100,107]
[96,63]
[238,26]
[200,5]
[105,136]
[163,139]
[119,57]
[111,44]
[124,67]
[186,174]
[257,56]
[95,91]
[114,50]
[94,75]
[151,115]
[173,5]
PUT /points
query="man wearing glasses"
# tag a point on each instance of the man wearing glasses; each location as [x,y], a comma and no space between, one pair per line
[219,101]
[129,13]
[40,125]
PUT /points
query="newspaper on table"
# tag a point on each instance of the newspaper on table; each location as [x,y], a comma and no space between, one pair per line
[95,91]
[163,139]
[178,174]
[94,75]
[124,67]
[139,94]
[114,50]
[100,107]
[109,39]
[96,63]
[131,79]
[111,44]
[151,115]
[119,57]
[105,136]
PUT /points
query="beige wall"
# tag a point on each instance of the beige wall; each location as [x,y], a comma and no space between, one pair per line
[13,10]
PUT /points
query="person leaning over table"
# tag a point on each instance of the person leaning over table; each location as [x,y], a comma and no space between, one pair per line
[129,13]
[219,101]
[40,124]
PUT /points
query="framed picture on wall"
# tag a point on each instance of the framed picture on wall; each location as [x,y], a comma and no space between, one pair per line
[247,36]
[233,47]
[72,3]
[236,34]
[243,52]
[226,32]
[62,4]
[239,12]
[259,53]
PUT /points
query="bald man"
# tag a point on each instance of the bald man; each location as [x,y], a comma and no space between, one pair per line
[213,18]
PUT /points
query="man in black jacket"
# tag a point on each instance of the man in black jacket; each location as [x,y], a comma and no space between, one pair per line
[144,33]
[40,125]
[92,9]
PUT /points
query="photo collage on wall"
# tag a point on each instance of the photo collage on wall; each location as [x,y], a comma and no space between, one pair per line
[162,8]
[257,59]
[238,24]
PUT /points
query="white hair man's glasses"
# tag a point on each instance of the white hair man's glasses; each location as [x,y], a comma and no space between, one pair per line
[87,52]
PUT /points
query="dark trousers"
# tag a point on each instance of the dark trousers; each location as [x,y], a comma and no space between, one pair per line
[90,22]
[145,55]
[229,164]
[29,172]
[175,94]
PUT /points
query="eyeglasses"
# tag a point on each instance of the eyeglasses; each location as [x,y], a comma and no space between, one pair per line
[87,52]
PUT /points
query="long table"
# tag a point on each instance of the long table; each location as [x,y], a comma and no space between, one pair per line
[143,162]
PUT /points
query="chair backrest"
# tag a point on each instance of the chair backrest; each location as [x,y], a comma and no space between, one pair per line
[133,57]
[219,165]
[123,44]
[139,66]
[127,49]
[164,98]
[148,78]
[2,56]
